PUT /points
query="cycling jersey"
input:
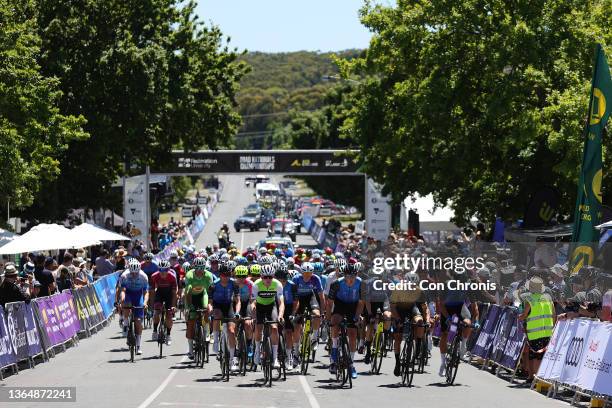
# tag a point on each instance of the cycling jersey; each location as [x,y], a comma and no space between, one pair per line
[135,285]
[344,293]
[374,295]
[289,293]
[179,272]
[305,288]
[331,278]
[163,284]
[149,268]
[198,286]
[267,295]
[224,294]
[245,291]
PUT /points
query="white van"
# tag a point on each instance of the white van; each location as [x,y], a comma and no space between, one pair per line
[267,192]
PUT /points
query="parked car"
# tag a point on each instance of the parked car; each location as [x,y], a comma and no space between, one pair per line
[245,221]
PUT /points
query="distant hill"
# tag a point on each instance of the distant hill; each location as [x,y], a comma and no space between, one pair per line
[278,83]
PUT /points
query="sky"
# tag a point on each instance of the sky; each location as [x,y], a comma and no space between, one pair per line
[288,25]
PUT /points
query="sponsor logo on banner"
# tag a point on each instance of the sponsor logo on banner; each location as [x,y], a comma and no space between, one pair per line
[574,353]
[135,203]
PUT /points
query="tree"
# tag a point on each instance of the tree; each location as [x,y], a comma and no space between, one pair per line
[33,132]
[478,102]
[147,75]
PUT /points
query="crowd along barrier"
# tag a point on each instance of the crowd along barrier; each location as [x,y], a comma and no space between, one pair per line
[579,357]
[35,329]
[318,233]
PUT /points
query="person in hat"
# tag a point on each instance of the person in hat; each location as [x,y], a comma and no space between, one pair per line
[539,317]
[10,291]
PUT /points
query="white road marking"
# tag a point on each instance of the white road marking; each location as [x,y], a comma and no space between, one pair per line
[200,404]
[232,387]
[161,387]
[308,392]
[242,241]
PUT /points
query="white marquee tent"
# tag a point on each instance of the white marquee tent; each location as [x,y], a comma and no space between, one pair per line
[44,237]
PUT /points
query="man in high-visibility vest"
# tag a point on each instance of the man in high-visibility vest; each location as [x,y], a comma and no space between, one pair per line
[539,315]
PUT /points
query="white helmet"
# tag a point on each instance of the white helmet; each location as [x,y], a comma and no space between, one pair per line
[307,267]
[134,265]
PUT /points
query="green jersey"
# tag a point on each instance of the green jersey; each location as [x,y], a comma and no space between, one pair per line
[267,295]
[198,286]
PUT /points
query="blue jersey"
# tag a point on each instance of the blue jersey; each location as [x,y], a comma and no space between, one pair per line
[289,292]
[304,288]
[135,285]
[323,280]
[224,294]
[339,290]
[149,269]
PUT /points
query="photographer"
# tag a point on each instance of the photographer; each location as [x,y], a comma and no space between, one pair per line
[10,290]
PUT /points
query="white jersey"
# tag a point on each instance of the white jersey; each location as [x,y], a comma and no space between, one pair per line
[331,278]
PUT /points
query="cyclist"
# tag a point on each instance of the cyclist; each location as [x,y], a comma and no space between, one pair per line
[455,302]
[135,293]
[246,290]
[197,283]
[254,271]
[339,264]
[267,291]
[148,266]
[407,303]
[223,295]
[346,298]
[308,285]
[289,294]
[376,298]
[163,291]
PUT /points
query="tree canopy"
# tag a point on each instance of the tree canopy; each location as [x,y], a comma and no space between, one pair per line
[477,102]
[33,131]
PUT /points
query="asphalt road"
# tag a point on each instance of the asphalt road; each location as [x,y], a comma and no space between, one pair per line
[99,368]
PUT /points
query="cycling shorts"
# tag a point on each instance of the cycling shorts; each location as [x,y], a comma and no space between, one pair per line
[288,323]
[226,309]
[162,298]
[346,310]
[374,307]
[266,312]
[406,311]
[135,300]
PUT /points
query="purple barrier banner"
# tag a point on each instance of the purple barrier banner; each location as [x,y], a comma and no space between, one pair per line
[487,332]
[15,322]
[514,345]
[505,321]
[58,317]
[7,354]
[34,341]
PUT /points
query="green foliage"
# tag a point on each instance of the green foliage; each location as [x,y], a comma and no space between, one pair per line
[181,186]
[147,76]
[478,102]
[33,132]
[277,88]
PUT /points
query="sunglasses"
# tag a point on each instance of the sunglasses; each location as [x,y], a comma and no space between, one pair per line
[266,277]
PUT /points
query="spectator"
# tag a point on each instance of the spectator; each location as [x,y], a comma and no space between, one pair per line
[539,314]
[103,265]
[10,291]
[120,255]
[35,289]
[64,278]
[44,275]
[81,277]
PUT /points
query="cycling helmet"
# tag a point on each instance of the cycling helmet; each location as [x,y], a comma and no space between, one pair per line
[307,267]
[134,265]
[263,250]
[241,260]
[199,263]
[328,251]
[339,255]
[290,262]
[278,252]
[348,270]
[412,277]
[281,274]
[358,267]
[224,270]
[186,266]
[225,257]
[288,253]
[339,263]
[267,270]
[164,265]
[265,260]
[343,269]
[231,265]
[281,267]
[173,254]
[148,256]
[255,270]
[241,271]
[318,267]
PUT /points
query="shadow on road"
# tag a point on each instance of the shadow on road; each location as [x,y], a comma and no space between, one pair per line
[207,380]
[444,385]
[124,360]
[117,350]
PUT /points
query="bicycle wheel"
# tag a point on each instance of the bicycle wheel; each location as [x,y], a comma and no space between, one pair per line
[346,364]
[267,362]
[421,354]
[282,358]
[131,340]
[205,343]
[202,356]
[226,362]
[452,361]
[377,353]
[407,362]
[305,353]
[242,352]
